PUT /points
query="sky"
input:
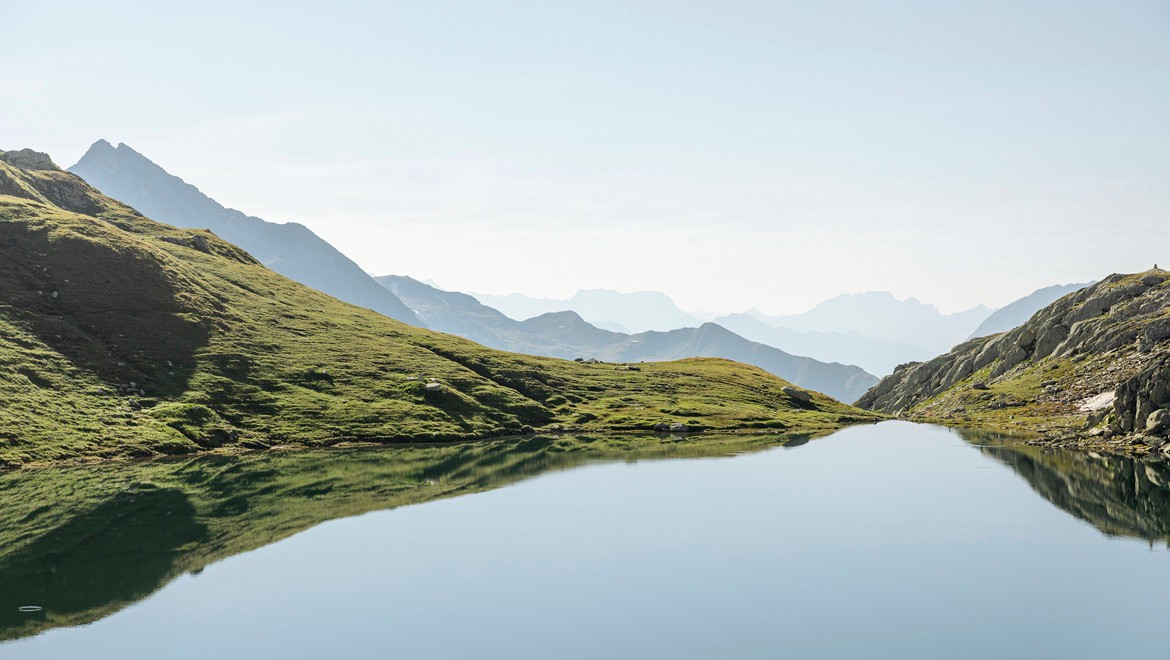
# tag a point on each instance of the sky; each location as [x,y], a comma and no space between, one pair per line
[731,154]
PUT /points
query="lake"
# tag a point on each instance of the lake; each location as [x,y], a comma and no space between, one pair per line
[887,541]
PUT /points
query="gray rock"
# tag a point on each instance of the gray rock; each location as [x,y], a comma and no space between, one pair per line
[1158,421]
[799,395]
[679,428]
[433,387]
[27,159]
[980,386]
[662,427]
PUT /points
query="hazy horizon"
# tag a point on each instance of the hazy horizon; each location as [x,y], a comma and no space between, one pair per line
[767,155]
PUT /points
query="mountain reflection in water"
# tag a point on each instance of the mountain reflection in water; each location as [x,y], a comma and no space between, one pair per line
[1118,495]
[84,542]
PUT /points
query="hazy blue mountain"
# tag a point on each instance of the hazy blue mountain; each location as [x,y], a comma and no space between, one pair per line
[289,249]
[875,356]
[612,326]
[461,314]
[1015,314]
[566,334]
[638,311]
[879,315]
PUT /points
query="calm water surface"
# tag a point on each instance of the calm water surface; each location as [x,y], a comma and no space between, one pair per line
[887,541]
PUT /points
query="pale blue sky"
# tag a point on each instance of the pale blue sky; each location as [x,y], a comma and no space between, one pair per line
[731,154]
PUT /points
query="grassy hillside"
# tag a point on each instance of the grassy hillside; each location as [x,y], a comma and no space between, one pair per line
[120,336]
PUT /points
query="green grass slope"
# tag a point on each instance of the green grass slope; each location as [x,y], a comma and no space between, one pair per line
[120,336]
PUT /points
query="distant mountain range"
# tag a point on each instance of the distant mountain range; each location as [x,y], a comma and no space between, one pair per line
[289,249]
[874,330]
[1017,313]
[875,356]
[638,311]
[879,315]
[566,334]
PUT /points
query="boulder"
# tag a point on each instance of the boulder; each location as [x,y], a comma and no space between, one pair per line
[433,387]
[678,428]
[1158,421]
[799,395]
[980,386]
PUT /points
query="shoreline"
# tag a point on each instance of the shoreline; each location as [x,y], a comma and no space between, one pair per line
[661,438]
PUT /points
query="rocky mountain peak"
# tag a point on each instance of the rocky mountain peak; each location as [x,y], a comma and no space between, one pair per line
[27,159]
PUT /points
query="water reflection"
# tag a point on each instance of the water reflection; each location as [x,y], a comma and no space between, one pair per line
[87,541]
[1117,495]
[84,542]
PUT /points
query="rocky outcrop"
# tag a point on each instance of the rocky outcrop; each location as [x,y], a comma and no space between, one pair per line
[1141,402]
[1110,337]
[27,159]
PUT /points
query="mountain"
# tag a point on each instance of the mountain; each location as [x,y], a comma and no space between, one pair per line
[879,315]
[121,336]
[1015,314]
[289,249]
[566,334]
[624,312]
[1092,368]
[875,356]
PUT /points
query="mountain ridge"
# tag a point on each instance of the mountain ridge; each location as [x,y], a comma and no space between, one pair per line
[874,355]
[290,249]
[633,311]
[1017,312]
[881,316]
[566,334]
